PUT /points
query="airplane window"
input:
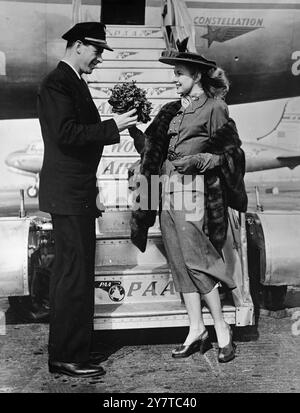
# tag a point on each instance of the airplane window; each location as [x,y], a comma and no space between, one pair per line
[35,147]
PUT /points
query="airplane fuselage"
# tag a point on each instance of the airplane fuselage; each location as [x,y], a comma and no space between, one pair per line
[258,157]
[21,161]
[258,44]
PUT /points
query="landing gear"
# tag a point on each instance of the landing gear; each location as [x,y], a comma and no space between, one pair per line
[274,297]
[270,297]
[32,192]
[36,307]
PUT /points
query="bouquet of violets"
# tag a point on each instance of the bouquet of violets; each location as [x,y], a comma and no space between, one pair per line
[127,96]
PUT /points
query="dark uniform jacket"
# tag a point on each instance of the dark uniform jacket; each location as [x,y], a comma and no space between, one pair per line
[74,137]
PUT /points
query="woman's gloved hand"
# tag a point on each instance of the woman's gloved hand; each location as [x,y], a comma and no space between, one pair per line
[138,138]
[134,132]
[199,163]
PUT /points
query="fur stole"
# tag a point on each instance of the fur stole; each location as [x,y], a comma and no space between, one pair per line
[224,186]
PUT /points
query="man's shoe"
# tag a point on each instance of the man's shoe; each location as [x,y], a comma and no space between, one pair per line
[75,369]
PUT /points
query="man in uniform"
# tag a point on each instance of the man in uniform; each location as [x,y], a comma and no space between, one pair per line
[74,136]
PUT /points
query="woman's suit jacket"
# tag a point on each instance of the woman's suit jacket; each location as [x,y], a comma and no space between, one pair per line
[74,137]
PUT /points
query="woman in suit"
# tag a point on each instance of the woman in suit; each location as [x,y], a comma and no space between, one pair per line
[194,144]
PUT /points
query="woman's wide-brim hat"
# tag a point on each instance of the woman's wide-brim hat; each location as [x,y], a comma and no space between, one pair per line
[172,57]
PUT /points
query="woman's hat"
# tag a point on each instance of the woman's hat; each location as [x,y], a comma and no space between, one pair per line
[182,55]
[89,32]
[172,57]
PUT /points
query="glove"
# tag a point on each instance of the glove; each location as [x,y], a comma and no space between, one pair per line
[138,137]
[199,163]
[134,132]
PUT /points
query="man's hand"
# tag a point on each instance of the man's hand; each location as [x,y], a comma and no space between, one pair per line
[199,163]
[125,120]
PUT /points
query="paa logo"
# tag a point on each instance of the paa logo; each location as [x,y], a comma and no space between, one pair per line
[116,292]
[114,289]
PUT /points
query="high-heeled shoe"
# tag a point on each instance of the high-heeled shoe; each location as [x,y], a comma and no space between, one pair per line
[227,353]
[201,344]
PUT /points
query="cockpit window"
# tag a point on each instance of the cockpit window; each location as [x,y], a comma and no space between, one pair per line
[35,147]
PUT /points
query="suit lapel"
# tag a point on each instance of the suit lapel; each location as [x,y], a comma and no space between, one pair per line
[81,87]
[67,69]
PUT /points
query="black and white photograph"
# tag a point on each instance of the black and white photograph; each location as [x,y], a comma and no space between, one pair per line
[149,199]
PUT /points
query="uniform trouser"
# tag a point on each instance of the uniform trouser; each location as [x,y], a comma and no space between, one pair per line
[72,288]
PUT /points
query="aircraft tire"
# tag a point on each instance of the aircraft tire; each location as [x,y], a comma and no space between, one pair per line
[36,307]
[26,311]
[274,297]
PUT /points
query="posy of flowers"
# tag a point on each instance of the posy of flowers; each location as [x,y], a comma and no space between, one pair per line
[127,96]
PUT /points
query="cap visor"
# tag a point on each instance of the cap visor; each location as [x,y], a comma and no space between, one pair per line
[108,48]
[101,44]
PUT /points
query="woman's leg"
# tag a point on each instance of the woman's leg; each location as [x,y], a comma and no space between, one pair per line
[193,305]
[214,304]
[181,278]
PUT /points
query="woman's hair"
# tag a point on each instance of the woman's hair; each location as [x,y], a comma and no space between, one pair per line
[213,81]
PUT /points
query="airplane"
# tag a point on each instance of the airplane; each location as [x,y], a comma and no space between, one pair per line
[257,44]
[117,159]
[28,162]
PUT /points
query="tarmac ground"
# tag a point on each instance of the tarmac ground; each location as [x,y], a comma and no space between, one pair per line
[139,361]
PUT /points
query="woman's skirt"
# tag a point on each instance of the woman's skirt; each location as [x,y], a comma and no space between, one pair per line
[195,263]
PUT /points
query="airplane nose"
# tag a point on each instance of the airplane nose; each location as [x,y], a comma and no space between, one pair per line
[12,160]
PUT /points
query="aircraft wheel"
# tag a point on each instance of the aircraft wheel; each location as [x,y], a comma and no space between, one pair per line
[24,309]
[36,306]
[274,296]
[32,192]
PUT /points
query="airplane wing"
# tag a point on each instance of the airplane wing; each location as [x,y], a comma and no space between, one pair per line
[290,161]
[21,172]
